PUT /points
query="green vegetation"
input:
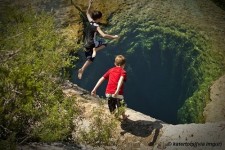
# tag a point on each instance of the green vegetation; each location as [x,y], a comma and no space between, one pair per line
[33,57]
[121,110]
[101,129]
[189,50]
[200,66]
[186,48]
[105,6]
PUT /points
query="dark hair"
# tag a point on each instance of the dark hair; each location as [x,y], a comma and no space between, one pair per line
[96,15]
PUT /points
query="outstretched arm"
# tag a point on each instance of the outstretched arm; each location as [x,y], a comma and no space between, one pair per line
[93,92]
[104,35]
[88,11]
[120,83]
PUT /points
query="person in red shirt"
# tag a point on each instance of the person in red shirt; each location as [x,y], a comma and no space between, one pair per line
[116,77]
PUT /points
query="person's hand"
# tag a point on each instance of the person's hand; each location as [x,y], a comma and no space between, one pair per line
[93,92]
[115,94]
[115,36]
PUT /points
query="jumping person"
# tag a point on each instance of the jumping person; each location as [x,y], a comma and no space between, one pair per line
[114,90]
[91,45]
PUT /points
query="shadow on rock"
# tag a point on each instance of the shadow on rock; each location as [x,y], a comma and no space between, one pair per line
[142,128]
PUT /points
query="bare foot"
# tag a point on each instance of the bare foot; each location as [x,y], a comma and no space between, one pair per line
[80,73]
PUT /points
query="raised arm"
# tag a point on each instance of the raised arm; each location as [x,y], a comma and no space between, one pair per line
[120,83]
[93,92]
[104,35]
[88,11]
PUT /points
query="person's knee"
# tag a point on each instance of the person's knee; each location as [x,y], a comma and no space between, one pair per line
[100,44]
[104,44]
[91,59]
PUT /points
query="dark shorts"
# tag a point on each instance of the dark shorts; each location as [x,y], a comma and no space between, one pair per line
[89,49]
[88,55]
[114,103]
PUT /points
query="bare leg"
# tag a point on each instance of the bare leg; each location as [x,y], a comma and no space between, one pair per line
[88,62]
[81,70]
[99,48]
[93,53]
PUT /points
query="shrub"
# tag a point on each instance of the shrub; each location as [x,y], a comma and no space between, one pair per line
[33,55]
[100,131]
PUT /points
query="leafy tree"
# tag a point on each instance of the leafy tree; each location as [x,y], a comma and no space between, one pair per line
[32,61]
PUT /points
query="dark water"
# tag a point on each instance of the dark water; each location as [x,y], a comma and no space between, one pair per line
[153,86]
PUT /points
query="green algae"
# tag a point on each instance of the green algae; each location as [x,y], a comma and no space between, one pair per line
[201,65]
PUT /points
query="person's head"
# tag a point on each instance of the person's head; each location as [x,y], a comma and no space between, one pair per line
[120,60]
[96,15]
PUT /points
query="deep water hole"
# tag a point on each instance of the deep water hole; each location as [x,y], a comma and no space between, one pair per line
[161,75]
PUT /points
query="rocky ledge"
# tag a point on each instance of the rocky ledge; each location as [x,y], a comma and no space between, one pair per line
[144,132]
[139,131]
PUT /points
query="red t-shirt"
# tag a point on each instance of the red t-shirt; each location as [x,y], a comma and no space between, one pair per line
[113,75]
